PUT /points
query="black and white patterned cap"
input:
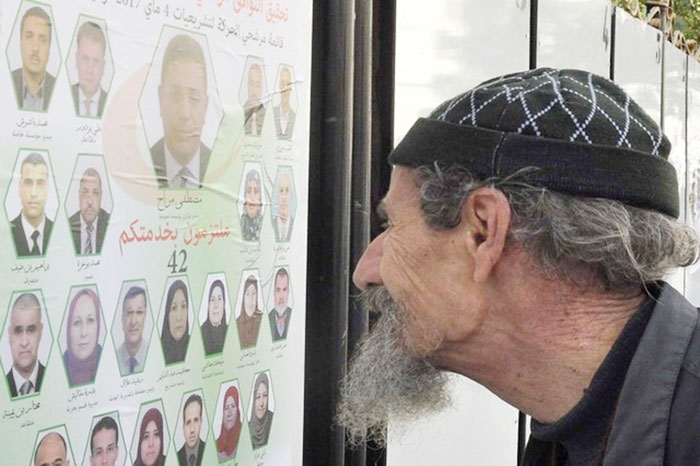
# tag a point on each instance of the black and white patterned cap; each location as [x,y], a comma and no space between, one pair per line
[583,134]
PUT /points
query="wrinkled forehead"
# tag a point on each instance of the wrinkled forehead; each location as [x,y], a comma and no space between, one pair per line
[89,181]
[191,71]
[25,311]
[34,170]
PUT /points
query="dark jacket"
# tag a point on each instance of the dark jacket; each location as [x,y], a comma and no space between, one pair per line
[102,222]
[656,419]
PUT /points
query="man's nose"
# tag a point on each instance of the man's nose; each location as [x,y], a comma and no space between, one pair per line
[367,271]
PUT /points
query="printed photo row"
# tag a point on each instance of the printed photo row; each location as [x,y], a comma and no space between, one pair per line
[27,337]
[181,63]
[32,203]
[152,442]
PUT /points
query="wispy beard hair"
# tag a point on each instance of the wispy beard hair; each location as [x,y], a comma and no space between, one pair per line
[384,381]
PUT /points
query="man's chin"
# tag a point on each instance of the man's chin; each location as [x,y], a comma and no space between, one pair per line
[384,380]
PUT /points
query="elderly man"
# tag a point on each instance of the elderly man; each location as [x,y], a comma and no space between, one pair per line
[284,113]
[281,314]
[104,442]
[131,355]
[283,221]
[529,223]
[253,108]
[52,451]
[89,224]
[25,331]
[192,451]
[180,158]
[31,229]
[33,84]
[88,96]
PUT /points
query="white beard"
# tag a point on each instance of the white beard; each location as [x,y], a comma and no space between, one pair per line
[384,381]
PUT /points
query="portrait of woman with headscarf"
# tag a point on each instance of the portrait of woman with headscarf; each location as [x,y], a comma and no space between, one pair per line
[248,322]
[150,447]
[83,326]
[227,442]
[261,418]
[215,327]
[175,332]
[251,220]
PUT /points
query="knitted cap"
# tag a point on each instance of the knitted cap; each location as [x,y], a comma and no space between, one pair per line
[582,133]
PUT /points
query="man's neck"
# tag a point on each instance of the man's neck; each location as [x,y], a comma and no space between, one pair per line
[33,81]
[132,349]
[35,221]
[88,95]
[284,107]
[182,159]
[26,374]
[194,449]
[541,341]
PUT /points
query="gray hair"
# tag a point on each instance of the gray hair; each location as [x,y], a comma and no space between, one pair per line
[584,241]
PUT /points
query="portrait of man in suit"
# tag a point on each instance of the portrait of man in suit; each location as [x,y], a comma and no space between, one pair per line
[33,84]
[253,108]
[31,229]
[88,96]
[104,442]
[283,221]
[131,354]
[180,158]
[89,224]
[192,451]
[284,113]
[281,313]
[52,450]
[24,334]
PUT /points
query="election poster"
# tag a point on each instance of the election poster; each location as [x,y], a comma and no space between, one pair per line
[154,178]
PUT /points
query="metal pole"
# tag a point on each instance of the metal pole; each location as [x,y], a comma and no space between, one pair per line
[361,180]
[330,164]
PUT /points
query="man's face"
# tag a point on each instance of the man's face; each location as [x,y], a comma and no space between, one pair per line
[51,452]
[25,334]
[285,87]
[90,61]
[254,84]
[281,292]
[183,106]
[35,42]
[104,448]
[193,423]
[134,319]
[33,187]
[414,263]
[90,197]
[284,196]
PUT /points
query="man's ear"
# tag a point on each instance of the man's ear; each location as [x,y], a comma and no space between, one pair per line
[487,214]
